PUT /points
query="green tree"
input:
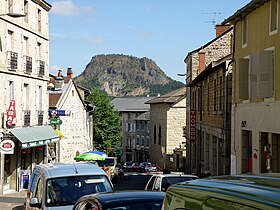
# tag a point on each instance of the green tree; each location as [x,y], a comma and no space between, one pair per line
[106,123]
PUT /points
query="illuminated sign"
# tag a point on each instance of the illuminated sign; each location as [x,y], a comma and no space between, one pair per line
[11,115]
[7,147]
[192,126]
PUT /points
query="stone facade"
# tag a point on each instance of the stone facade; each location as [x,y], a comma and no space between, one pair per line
[167,120]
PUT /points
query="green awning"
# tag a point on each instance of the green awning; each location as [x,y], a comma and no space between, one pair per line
[35,136]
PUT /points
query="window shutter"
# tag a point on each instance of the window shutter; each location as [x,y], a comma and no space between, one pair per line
[254,76]
[266,72]
[243,78]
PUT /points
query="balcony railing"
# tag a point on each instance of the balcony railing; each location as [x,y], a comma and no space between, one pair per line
[12,59]
[26,117]
[27,64]
[40,117]
[41,68]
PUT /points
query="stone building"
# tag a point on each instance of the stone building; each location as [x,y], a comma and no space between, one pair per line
[24,74]
[256,88]
[167,119]
[211,105]
[134,137]
[76,126]
[196,62]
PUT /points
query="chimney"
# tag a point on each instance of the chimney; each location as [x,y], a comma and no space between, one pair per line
[58,81]
[201,57]
[69,73]
[221,29]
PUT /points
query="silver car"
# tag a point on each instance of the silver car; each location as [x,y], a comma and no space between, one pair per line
[59,186]
[161,182]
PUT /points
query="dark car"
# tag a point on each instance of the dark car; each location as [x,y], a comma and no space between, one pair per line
[127,166]
[145,167]
[121,200]
[248,192]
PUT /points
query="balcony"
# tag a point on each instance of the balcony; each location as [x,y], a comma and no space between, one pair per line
[41,68]
[27,64]
[12,59]
[40,115]
[26,117]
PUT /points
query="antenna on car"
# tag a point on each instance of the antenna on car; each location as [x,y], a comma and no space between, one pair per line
[75,169]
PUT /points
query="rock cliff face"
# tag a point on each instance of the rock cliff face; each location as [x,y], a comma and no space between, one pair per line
[123,75]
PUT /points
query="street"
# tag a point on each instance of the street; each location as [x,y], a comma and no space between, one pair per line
[131,181]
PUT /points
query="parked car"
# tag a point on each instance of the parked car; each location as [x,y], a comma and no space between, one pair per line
[127,166]
[145,167]
[118,171]
[161,182]
[135,167]
[59,186]
[121,200]
[248,192]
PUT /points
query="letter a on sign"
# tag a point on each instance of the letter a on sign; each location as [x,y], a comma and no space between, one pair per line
[11,113]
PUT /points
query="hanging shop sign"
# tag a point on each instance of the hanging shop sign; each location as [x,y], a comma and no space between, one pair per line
[192,126]
[7,147]
[11,115]
[60,112]
[56,121]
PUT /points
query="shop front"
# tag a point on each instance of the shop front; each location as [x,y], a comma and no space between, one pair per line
[30,149]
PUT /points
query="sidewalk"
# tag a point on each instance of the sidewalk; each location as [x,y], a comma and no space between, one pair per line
[12,200]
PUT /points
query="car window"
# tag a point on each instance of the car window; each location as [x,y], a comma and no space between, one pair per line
[33,182]
[39,191]
[151,183]
[219,204]
[67,190]
[157,184]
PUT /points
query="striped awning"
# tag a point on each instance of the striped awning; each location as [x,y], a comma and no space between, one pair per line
[35,136]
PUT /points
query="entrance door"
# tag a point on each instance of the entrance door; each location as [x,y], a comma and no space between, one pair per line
[247,152]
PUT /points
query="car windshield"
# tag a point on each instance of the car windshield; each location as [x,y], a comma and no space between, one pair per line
[67,190]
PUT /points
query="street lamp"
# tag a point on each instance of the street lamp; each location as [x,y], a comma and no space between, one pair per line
[187,134]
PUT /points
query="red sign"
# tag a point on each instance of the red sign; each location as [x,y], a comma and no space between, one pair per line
[11,116]
[192,126]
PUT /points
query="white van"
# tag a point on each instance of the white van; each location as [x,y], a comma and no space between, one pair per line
[59,185]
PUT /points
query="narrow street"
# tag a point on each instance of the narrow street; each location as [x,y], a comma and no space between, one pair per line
[131,181]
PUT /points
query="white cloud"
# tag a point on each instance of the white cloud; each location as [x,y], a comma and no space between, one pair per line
[54,70]
[98,40]
[68,8]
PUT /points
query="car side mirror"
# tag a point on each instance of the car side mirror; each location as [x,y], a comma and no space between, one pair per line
[35,203]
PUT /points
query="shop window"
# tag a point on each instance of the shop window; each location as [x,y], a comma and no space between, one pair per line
[275,153]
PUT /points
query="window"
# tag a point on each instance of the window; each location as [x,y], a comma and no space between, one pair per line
[25,97]
[26,11]
[11,91]
[273,23]
[221,94]
[10,6]
[155,134]
[159,135]
[215,95]
[39,20]
[256,75]
[244,32]
[39,97]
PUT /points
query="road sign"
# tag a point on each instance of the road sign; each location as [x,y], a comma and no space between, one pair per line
[60,112]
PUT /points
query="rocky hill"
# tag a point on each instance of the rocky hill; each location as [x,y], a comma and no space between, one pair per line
[123,75]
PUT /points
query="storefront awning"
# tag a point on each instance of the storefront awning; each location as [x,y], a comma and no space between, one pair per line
[35,136]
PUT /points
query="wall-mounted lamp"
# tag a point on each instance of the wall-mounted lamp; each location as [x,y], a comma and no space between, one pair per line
[243,123]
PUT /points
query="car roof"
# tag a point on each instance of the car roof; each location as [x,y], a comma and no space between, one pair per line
[261,189]
[54,170]
[131,196]
[175,175]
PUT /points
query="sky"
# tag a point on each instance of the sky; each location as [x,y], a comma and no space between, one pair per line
[161,30]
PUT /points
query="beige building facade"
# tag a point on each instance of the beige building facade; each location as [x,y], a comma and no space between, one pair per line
[24,74]
[256,88]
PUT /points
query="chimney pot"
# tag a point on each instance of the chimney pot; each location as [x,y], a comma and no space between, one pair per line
[69,73]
